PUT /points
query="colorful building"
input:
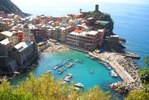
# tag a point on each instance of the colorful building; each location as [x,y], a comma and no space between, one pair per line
[87,40]
[40,35]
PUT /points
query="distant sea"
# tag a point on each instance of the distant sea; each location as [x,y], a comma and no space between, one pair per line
[131,21]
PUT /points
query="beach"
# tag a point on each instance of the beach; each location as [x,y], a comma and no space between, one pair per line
[55,47]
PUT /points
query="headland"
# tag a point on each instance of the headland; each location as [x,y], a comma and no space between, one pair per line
[86,31]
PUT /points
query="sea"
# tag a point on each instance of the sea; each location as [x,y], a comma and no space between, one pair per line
[131,22]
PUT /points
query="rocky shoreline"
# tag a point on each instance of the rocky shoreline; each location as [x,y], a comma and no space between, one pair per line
[131,67]
[126,68]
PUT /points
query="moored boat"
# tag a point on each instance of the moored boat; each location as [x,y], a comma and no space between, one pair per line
[66,79]
[61,71]
[70,65]
[107,65]
[55,67]
[113,73]
[80,85]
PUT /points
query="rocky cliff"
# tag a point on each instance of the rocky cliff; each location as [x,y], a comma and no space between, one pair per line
[9,7]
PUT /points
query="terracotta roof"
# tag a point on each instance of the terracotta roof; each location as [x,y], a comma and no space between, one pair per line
[78,31]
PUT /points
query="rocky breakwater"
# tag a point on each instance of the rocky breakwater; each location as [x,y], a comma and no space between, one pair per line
[126,68]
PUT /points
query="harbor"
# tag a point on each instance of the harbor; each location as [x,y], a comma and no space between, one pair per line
[84,70]
[122,65]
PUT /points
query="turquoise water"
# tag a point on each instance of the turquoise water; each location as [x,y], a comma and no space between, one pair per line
[81,71]
[130,22]
[130,19]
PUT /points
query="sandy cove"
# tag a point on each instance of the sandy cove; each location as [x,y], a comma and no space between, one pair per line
[55,47]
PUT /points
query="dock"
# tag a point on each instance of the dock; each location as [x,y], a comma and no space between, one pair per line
[132,55]
[123,74]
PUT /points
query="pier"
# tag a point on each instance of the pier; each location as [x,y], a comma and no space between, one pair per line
[111,60]
[121,72]
[132,55]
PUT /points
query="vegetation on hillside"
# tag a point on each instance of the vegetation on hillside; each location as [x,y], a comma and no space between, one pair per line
[144,76]
[46,88]
[138,95]
[100,16]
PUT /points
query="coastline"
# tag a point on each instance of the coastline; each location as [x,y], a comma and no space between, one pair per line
[125,67]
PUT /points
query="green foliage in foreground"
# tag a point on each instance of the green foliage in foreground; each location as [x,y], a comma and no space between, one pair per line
[138,95]
[146,59]
[46,88]
[144,75]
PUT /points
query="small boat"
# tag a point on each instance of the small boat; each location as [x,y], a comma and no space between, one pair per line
[61,71]
[66,79]
[113,73]
[80,85]
[91,71]
[92,58]
[109,68]
[69,75]
[70,65]
[55,67]
[107,65]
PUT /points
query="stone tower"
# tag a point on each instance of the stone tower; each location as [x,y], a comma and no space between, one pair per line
[26,33]
[96,8]
[80,10]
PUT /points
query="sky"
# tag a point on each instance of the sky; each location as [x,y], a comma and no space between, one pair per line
[40,2]
[40,6]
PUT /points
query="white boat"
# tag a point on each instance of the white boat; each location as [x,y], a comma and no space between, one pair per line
[80,85]
[66,79]
[70,65]
[69,75]
[113,73]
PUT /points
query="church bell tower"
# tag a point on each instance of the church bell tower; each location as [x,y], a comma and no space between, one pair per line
[26,33]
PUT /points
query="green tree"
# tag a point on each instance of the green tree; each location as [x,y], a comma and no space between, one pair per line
[138,95]
[144,75]
[144,93]
[46,88]
[146,59]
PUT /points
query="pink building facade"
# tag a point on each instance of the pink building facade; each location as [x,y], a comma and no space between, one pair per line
[85,40]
